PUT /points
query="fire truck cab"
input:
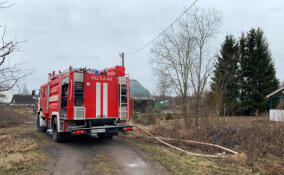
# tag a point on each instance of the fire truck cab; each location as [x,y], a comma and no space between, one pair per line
[85,102]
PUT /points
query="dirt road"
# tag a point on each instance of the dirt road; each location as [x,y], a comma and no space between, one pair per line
[75,157]
[81,155]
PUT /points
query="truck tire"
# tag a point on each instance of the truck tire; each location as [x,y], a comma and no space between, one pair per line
[56,136]
[41,129]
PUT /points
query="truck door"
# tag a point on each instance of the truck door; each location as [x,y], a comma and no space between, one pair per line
[43,100]
[64,97]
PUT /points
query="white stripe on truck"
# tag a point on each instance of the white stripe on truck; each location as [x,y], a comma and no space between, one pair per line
[105,98]
[98,99]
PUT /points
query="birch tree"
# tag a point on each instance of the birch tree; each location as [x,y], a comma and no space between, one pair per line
[204,25]
[181,54]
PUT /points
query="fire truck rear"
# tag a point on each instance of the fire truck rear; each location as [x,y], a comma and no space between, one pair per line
[85,102]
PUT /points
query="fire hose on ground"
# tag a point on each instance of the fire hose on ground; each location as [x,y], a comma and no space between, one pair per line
[160,139]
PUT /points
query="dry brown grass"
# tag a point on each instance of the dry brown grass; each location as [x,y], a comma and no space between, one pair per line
[21,151]
[261,141]
[21,146]
[182,164]
[15,113]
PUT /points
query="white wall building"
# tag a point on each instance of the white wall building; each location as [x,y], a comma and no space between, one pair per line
[6,96]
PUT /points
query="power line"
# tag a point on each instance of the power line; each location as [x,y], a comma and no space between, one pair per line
[148,43]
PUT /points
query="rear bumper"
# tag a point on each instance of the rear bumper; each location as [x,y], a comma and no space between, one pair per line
[107,129]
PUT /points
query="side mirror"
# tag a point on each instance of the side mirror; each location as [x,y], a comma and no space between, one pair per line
[33,92]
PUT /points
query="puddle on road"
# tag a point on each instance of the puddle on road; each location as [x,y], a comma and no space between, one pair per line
[132,165]
[136,164]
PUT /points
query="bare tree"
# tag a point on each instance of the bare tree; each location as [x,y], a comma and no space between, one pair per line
[180,54]
[22,89]
[172,57]
[9,74]
[204,24]
[163,85]
[5,4]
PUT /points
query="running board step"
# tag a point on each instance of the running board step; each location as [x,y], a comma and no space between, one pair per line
[50,131]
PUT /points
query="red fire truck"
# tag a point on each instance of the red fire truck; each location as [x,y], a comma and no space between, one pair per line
[85,102]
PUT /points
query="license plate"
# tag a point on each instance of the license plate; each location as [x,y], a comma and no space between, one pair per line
[94,131]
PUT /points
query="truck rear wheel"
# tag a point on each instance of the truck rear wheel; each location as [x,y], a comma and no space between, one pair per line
[40,128]
[57,137]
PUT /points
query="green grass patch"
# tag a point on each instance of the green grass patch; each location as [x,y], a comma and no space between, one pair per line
[103,164]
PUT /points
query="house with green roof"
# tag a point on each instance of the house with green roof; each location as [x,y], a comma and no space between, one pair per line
[140,97]
[138,92]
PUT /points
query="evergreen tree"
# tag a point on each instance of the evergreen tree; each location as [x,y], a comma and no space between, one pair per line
[244,76]
[257,76]
[224,86]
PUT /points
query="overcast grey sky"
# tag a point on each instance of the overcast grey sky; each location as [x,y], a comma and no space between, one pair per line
[91,33]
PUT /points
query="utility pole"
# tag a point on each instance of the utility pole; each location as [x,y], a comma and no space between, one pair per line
[122,58]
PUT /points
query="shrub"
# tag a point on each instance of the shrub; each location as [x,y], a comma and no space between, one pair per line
[169,116]
[145,119]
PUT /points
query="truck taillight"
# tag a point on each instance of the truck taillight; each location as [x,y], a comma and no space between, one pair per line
[78,132]
[128,128]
